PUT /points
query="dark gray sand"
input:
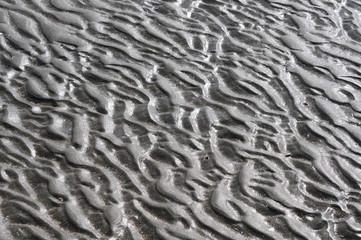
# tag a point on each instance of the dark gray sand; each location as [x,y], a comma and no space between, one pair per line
[208,119]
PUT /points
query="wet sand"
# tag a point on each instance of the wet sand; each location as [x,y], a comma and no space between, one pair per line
[207,119]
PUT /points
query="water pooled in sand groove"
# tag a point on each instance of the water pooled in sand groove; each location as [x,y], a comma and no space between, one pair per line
[183,119]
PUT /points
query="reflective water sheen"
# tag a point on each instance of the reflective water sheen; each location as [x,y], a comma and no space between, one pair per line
[166,119]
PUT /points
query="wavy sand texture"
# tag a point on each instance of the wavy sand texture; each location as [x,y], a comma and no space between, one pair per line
[165,119]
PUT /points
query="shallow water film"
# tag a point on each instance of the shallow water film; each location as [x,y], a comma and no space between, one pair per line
[180,119]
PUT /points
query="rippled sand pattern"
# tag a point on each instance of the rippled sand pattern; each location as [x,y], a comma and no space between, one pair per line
[207,119]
